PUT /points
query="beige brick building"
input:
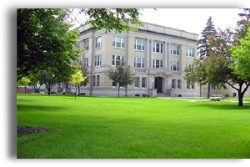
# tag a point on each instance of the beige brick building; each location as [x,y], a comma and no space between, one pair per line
[158,56]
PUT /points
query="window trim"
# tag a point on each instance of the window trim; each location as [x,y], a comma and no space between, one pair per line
[178,50]
[141,44]
[177,66]
[115,41]
[98,61]
[98,43]
[190,51]
[160,46]
[114,59]
[141,62]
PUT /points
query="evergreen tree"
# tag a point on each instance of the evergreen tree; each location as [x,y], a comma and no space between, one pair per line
[203,43]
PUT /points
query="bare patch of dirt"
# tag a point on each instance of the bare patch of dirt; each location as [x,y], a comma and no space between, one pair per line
[30,130]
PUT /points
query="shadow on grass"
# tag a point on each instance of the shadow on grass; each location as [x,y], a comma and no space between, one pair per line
[29,108]
[224,106]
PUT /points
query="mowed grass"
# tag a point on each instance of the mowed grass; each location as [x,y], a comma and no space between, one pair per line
[98,127]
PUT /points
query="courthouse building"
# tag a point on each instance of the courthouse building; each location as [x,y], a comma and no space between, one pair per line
[158,56]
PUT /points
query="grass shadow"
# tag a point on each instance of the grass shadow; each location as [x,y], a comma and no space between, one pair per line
[29,108]
[224,106]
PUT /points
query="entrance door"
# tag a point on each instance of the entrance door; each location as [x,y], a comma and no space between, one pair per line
[158,84]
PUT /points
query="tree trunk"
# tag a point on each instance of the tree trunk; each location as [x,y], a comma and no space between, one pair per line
[76,92]
[240,95]
[118,90]
[49,89]
[126,91]
[200,90]
[79,90]
[208,90]
[240,98]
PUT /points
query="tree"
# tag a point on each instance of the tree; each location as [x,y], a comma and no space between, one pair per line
[76,79]
[24,81]
[44,40]
[108,18]
[203,43]
[241,64]
[196,73]
[122,76]
[223,65]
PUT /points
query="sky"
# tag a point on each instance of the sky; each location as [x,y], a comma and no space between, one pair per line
[191,20]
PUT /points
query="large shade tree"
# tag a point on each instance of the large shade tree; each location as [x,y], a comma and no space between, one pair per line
[230,62]
[46,39]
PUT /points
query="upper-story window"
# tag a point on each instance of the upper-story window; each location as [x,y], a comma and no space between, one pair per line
[175,49]
[190,52]
[119,42]
[98,60]
[175,66]
[158,47]
[139,44]
[98,42]
[157,63]
[86,44]
[117,60]
[86,62]
[139,62]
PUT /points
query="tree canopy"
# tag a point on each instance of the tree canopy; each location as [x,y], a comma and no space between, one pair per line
[44,40]
[121,75]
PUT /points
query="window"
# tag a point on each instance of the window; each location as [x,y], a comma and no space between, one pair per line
[175,66]
[94,81]
[143,82]
[117,60]
[98,80]
[86,62]
[190,52]
[139,62]
[158,47]
[175,49]
[179,84]
[81,44]
[190,65]
[173,83]
[98,61]
[119,42]
[136,82]
[86,44]
[113,83]
[139,44]
[191,85]
[98,42]
[157,63]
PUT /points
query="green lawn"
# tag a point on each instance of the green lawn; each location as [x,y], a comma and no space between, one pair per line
[95,127]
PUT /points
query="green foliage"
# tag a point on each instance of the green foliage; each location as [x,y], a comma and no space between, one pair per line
[44,40]
[23,81]
[77,78]
[91,127]
[119,19]
[241,58]
[121,75]
[203,43]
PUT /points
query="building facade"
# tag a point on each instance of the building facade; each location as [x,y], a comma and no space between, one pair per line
[158,56]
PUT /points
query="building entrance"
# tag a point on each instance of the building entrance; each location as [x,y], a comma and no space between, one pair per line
[158,84]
